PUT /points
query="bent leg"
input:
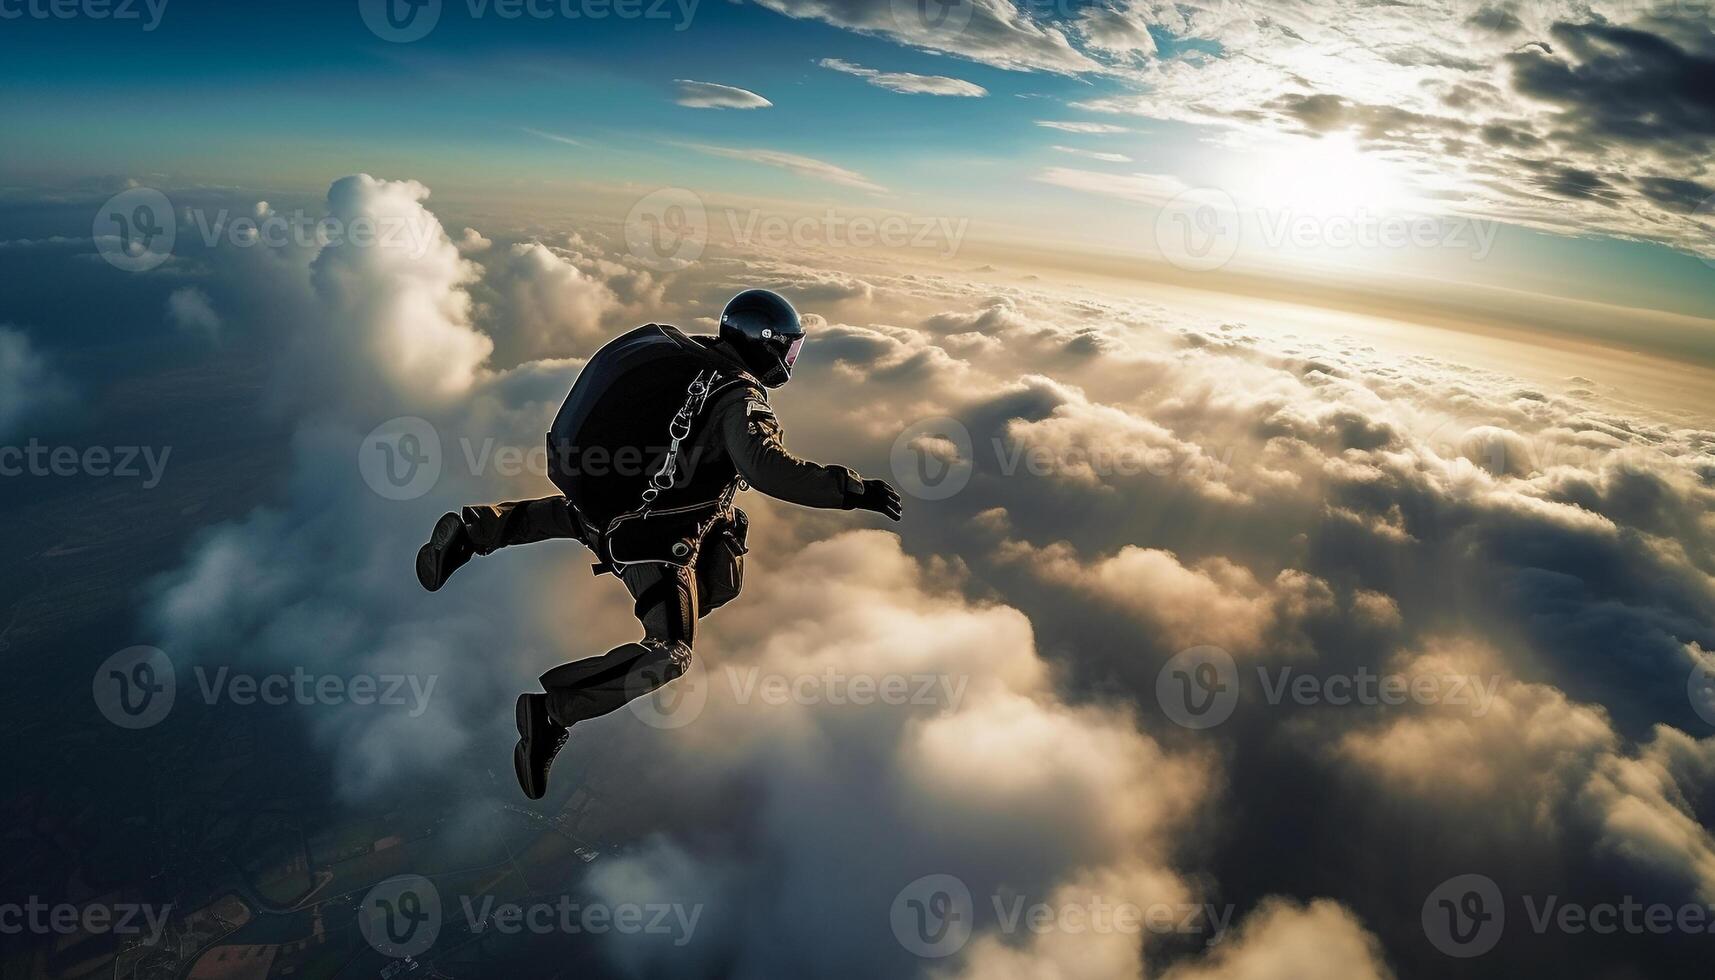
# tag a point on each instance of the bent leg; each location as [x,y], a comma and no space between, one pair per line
[666,605]
[495,526]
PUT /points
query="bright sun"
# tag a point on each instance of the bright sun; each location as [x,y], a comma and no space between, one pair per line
[1327,176]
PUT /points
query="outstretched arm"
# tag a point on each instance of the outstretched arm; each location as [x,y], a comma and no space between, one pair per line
[753,439]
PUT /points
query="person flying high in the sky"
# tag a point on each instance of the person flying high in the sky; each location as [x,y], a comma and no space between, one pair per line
[658,434]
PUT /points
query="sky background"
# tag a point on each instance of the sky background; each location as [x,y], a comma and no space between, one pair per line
[275,95]
[1167,449]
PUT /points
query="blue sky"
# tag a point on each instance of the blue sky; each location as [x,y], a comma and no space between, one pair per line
[208,96]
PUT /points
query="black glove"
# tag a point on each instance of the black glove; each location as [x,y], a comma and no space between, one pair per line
[877,496]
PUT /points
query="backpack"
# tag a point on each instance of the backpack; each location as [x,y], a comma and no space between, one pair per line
[612,435]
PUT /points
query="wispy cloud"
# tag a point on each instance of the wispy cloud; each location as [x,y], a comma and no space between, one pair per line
[1094,154]
[800,165]
[710,95]
[1086,128]
[1142,188]
[907,82]
[553,136]
[996,33]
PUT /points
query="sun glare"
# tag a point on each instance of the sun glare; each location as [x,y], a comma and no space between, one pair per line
[1327,176]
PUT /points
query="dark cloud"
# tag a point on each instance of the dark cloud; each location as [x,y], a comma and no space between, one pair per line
[1623,84]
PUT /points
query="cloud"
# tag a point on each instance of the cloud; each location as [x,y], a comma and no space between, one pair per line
[1094,154]
[994,33]
[1145,478]
[1282,940]
[471,241]
[1217,603]
[555,137]
[1121,30]
[551,307]
[192,311]
[29,386]
[1152,189]
[801,165]
[1563,117]
[906,82]
[397,311]
[995,785]
[709,95]
[1086,128]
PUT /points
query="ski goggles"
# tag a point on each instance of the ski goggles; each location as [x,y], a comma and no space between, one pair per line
[791,356]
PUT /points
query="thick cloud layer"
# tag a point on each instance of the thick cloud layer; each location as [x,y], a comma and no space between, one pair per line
[29,385]
[1567,115]
[1140,482]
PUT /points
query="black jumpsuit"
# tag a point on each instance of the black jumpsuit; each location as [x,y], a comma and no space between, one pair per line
[669,598]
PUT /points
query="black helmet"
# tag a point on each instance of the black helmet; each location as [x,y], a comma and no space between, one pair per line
[765,331]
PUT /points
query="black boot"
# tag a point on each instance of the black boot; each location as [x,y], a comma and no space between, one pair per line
[539,740]
[448,549]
